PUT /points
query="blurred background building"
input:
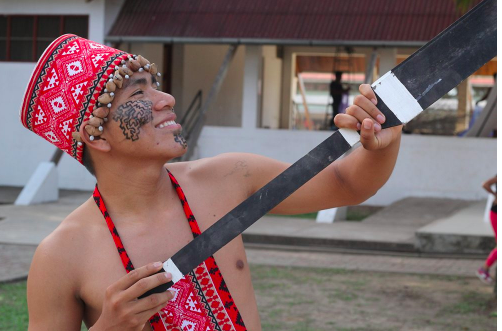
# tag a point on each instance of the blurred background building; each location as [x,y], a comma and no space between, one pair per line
[262,69]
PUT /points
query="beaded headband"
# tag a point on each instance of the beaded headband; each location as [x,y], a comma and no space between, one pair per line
[94,126]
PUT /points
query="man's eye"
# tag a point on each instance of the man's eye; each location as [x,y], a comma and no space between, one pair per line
[137,92]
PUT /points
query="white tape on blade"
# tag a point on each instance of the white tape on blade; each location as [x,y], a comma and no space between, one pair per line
[169,266]
[351,136]
[395,95]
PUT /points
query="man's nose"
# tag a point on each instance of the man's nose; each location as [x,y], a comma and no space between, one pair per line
[164,100]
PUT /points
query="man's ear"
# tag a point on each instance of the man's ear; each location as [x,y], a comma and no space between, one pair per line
[99,143]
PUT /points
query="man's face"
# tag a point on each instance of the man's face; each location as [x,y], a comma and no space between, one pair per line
[141,122]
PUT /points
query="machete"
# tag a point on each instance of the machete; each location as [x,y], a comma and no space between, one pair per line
[402,93]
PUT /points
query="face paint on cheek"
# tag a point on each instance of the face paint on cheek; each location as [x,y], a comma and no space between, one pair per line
[132,115]
[180,140]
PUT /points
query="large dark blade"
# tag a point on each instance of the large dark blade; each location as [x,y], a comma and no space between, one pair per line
[261,202]
[428,74]
[452,56]
[448,59]
[253,208]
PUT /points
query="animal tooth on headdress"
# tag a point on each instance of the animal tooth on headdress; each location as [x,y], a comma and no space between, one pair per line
[101,112]
[92,131]
[118,80]
[153,69]
[142,61]
[95,122]
[134,65]
[76,136]
[125,71]
[105,98]
[110,86]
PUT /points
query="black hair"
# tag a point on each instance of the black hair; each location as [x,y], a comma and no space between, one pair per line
[87,161]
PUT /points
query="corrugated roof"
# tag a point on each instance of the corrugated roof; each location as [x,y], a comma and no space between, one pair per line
[284,21]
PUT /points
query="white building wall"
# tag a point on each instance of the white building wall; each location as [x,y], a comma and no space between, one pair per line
[427,166]
[177,77]
[21,151]
[200,66]
[154,52]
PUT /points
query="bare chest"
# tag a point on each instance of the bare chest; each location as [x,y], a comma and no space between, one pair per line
[158,241]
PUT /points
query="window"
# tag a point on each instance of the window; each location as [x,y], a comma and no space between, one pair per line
[25,37]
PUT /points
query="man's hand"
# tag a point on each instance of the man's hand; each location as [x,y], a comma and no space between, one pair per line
[363,115]
[122,310]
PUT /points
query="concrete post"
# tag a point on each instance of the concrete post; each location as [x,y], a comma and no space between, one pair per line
[388,58]
[251,91]
[42,186]
[288,87]
[464,107]
[271,96]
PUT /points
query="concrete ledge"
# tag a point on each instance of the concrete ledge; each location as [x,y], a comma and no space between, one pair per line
[328,243]
[452,243]
[463,232]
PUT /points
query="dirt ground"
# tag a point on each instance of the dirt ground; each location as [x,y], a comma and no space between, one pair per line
[297,299]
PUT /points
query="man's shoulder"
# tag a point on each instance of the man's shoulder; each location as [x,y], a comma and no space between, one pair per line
[69,239]
[215,167]
[231,173]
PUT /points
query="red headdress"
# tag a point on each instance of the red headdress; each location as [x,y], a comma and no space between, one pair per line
[65,86]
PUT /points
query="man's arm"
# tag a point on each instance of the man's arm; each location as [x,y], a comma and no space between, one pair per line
[53,280]
[348,181]
[52,303]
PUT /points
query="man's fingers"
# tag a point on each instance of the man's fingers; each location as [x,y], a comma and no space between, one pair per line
[368,92]
[135,275]
[368,139]
[368,106]
[145,284]
[145,316]
[153,301]
[360,115]
[347,122]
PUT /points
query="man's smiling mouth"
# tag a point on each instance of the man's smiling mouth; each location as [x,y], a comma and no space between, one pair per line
[166,124]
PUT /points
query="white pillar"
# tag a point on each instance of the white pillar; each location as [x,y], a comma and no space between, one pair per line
[251,87]
[388,58]
[271,96]
[41,187]
[178,82]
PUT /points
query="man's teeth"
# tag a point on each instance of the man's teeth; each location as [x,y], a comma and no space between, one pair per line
[166,123]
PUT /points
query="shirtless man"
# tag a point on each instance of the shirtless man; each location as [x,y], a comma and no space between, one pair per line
[76,273]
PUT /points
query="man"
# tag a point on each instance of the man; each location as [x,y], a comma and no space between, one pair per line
[76,273]
[337,91]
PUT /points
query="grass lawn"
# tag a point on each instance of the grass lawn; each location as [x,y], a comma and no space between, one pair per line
[315,299]
[306,299]
[13,307]
[354,213]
